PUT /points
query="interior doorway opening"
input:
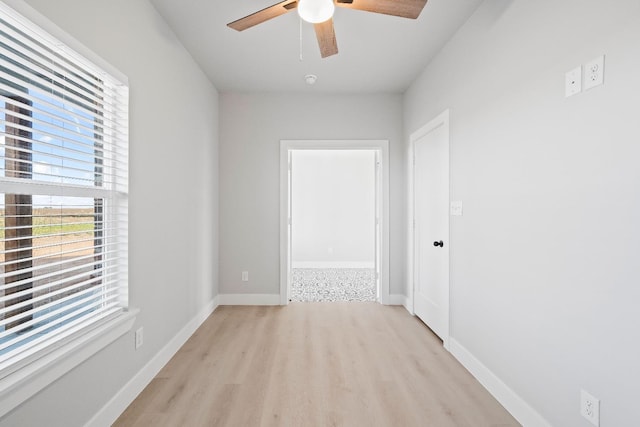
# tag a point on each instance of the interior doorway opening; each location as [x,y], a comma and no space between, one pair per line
[333,226]
[334,221]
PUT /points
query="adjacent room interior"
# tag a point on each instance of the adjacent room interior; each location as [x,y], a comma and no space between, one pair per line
[333,226]
[540,100]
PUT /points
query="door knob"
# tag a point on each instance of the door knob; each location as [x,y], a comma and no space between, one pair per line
[440,243]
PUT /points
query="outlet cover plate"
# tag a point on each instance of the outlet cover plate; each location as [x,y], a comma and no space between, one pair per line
[594,73]
[456,208]
[573,82]
[590,408]
[139,337]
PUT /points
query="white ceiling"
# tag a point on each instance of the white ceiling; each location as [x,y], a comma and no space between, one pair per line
[378,53]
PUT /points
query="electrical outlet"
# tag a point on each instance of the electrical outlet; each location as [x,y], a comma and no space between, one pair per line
[573,82]
[590,408]
[245,276]
[139,337]
[456,208]
[594,73]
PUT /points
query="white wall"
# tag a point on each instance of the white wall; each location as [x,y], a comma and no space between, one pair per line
[251,127]
[545,271]
[333,208]
[173,197]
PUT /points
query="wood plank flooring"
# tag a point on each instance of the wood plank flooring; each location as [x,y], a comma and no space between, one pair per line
[314,364]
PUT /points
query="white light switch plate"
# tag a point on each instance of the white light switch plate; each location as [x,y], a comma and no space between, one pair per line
[573,82]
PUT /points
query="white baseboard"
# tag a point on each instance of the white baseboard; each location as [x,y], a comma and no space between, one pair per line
[118,403]
[399,299]
[521,411]
[329,264]
[249,299]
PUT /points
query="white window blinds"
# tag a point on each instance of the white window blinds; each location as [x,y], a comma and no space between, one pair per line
[63,193]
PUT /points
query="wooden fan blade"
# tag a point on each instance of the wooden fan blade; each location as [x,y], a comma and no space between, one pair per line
[403,8]
[263,15]
[326,38]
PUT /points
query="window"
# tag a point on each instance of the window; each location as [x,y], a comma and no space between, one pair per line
[63,194]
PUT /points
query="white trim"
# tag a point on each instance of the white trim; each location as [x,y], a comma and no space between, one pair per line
[285,242]
[399,299]
[410,225]
[330,264]
[518,407]
[30,379]
[249,299]
[441,120]
[127,394]
[382,146]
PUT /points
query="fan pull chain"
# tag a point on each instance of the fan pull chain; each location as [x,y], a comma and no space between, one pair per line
[301,58]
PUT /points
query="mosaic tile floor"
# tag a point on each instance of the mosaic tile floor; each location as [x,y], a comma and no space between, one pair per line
[333,284]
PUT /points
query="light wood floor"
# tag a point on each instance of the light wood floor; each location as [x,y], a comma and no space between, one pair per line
[314,364]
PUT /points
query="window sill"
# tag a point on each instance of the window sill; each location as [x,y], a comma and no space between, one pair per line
[26,382]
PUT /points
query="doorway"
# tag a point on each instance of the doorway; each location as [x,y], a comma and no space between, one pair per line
[333,227]
[334,221]
[429,235]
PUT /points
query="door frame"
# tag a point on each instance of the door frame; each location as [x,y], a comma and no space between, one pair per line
[382,208]
[441,119]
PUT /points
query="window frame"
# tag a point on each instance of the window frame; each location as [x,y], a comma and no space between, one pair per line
[27,380]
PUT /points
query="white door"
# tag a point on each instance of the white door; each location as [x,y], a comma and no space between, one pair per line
[431,229]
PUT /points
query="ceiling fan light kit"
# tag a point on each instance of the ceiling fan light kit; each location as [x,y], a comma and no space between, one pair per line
[316,11]
[320,14]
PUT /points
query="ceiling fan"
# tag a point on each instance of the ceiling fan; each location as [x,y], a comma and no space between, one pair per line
[320,13]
